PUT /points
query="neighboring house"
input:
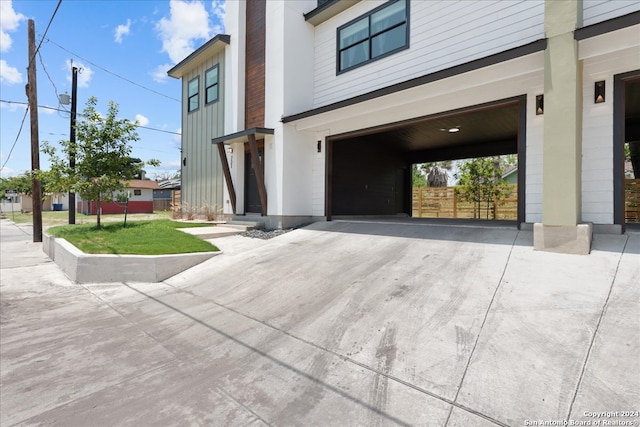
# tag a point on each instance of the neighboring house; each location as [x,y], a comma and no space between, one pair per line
[511,175]
[140,194]
[306,110]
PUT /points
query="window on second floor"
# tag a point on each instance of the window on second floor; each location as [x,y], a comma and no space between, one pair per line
[211,85]
[193,94]
[381,32]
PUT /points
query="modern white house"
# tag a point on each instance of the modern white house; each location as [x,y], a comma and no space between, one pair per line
[311,109]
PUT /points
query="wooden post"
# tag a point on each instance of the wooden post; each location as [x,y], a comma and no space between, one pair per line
[227,176]
[419,202]
[455,203]
[32,95]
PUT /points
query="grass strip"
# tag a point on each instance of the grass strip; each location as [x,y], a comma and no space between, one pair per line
[157,237]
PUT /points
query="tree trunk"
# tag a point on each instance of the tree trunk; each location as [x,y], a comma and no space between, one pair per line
[98,212]
[634,156]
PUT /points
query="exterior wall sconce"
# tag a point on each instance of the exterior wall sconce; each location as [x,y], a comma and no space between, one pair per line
[230,150]
[184,162]
[539,105]
[319,146]
[598,92]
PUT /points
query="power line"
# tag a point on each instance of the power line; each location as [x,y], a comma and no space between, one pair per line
[55,89]
[110,72]
[17,136]
[45,32]
[66,111]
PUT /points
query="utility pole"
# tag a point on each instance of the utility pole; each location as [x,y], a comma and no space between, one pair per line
[32,95]
[72,140]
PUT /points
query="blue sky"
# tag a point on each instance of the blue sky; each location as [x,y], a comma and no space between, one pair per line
[123,49]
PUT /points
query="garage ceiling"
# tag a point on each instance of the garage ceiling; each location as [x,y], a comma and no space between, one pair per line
[420,137]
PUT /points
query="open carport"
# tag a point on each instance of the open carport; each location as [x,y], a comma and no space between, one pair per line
[369,170]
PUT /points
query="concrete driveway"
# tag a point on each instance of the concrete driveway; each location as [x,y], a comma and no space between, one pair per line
[345,323]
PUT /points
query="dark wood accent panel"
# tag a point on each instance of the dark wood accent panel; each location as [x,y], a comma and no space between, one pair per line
[255,61]
[227,176]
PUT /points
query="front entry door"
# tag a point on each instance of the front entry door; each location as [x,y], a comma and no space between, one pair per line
[251,193]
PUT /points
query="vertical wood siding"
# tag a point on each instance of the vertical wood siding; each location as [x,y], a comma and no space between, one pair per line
[255,60]
[442,34]
[202,177]
[595,11]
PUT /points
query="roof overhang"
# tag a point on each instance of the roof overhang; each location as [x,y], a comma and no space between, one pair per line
[328,10]
[607,26]
[211,47]
[242,136]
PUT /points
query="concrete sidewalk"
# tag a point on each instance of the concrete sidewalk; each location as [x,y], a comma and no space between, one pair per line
[337,324]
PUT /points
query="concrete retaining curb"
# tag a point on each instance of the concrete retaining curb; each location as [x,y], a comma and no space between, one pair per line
[92,268]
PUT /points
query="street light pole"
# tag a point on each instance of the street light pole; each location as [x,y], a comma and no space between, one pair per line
[72,140]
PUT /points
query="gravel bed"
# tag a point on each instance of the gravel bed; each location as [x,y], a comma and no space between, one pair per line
[265,235]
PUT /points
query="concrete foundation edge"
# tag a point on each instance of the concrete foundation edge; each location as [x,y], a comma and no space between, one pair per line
[568,239]
[89,268]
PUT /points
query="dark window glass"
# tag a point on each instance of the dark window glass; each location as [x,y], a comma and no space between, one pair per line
[193,94]
[211,85]
[383,31]
[137,192]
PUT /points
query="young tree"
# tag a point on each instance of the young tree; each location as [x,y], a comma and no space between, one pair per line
[418,180]
[102,152]
[480,180]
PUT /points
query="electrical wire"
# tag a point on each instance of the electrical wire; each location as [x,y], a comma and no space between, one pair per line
[45,32]
[82,115]
[110,72]
[18,136]
[55,89]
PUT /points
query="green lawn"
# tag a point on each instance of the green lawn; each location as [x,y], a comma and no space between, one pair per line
[155,237]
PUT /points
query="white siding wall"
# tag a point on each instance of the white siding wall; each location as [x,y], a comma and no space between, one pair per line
[597,122]
[443,34]
[535,142]
[289,89]
[202,177]
[595,11]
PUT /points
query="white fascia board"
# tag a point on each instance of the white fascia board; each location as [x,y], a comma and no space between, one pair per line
[609,42]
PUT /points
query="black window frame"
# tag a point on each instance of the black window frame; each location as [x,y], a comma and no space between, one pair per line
[137,192]
[371,36]
[217,84]
[190,96]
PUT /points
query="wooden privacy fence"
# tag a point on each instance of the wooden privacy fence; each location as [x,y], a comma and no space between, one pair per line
[632,200]
[167,204]
[442,202]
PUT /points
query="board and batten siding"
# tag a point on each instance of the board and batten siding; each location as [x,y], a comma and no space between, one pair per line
[594,11]
[443,34]
[202,176]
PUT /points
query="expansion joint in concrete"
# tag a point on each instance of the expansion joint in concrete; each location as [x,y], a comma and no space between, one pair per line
[595,331]
[475,344]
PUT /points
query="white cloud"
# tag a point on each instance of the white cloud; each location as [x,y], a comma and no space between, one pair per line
[122,30]
[6,171]
[142,120]
[219,11]
[84,73]
[160,73]
[188,22]
[9,21]
[8,74]
[48,111]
